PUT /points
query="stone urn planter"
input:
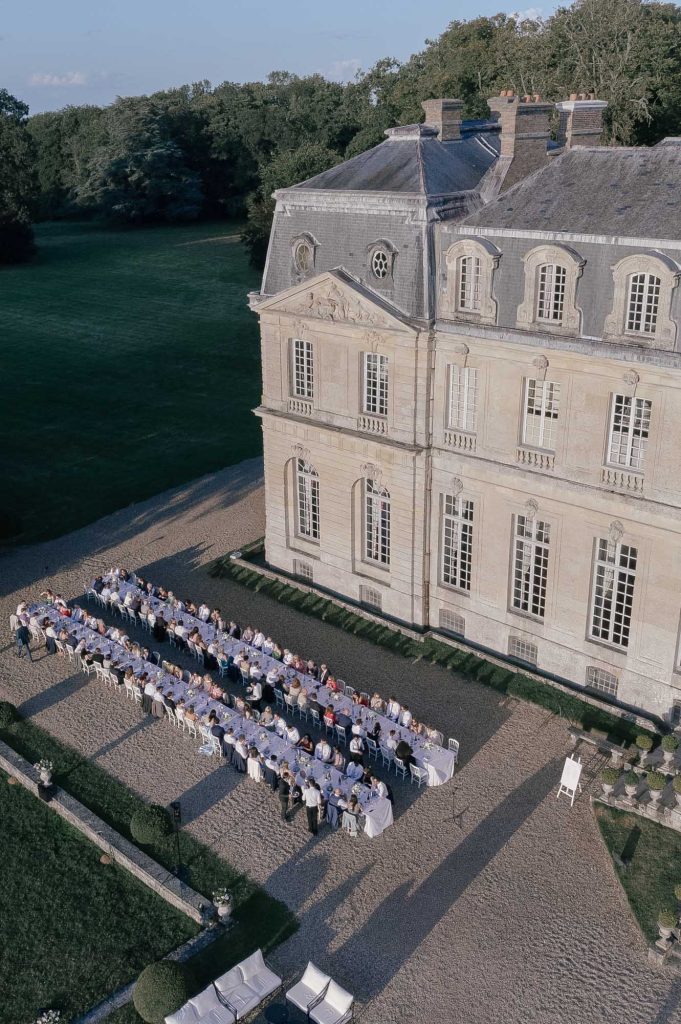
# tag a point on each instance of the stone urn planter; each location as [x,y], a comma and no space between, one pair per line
[666,922]
[656,782]
[669,747]
[45,769]
[222,901]
[609,777]
[645,745]
[631,782]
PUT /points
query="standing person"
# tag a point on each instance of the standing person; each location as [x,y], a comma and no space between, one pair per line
[313,798]
[23,639]
[283,792]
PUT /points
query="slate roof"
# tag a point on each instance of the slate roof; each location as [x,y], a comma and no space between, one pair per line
[600,190]
[413,161]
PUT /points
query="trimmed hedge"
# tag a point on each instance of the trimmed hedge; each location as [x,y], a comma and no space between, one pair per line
[465,663]
[160,990]
[8,714]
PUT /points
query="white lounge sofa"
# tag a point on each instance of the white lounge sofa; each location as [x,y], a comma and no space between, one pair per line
[247,984]
[310,989]
[334,1008]
[204,1008]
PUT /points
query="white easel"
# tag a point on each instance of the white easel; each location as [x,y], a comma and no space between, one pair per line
[569,783]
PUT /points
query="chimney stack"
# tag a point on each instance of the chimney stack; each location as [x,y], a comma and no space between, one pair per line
[445,115]
[524,133]
[581,120]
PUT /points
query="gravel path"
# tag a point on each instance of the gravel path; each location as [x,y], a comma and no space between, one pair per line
[487,901]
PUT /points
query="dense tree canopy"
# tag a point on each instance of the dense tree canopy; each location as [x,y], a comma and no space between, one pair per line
[200,150]
[16,180]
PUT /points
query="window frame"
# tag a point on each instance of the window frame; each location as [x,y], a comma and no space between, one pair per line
[381,384]
[465,390]
[643,302]
[377,525]
[530,555]
[573,264]
[632,433]
[622,591]
[306,374]
[548,423]
[488,255]
[555,284]
[615,327]
[307,498]
[457,526]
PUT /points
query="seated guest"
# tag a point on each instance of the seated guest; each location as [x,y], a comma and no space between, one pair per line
[393,709]
[170,701]
[338,760]
[305,743]
[332,684]
[272,771]
[267,717]
[292,734]
[204,612]
[355,771]
[214,726]
[406,717]
[417,728]
[279,725]
[277,652]
[190,714]
[378,786]
[228,742]
[268,646]
[234,631]
[258,640]
[311,669]
[338,798]
[375,732]
[180,709]
[323,751]
[287,657]
[392,740]
[376,703]
[254,765]
[303,699]
[358,728]
[357,746]
[294,688]
[254,692]
[329,715]
[158,704]
[404,752]
[248,634]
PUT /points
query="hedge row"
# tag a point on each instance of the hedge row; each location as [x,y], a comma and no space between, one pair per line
[465,663]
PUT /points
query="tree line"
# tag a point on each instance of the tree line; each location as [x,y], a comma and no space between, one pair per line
[219,151]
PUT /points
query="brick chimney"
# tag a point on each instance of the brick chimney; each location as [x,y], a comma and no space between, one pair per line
[581,121]
[524,133]
[445,115]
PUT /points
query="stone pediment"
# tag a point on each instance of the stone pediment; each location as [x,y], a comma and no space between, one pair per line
[332,297]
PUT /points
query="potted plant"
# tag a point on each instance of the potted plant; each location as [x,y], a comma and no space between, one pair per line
[666,921]
[656,782]
[631,781]
[49,1017]
[45,769]
[676,784]
[669,746]
[609,777]
[222,901]
[645,745]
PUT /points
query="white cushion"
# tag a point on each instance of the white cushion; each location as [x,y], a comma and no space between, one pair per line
[221,1016]
[310,986]
[252,964]
[264,982]
[185,1015]
[226,982]
[205,1001]
[243,999]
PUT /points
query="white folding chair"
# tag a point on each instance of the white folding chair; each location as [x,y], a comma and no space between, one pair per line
[387,755]
[400,767]
[171,716]
[453,745]
[137,694]
[129,689]
[373,748]
[418,775]
[191,728]
[87,666]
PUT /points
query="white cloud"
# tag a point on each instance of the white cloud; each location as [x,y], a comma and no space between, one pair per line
[342,70]
[529,14]
[67,78]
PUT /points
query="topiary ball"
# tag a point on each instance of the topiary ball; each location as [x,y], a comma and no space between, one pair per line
[644,742]
[8,714]
[669,744]
[149,824]
[161,989]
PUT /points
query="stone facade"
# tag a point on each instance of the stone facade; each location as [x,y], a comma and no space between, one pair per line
[480,444]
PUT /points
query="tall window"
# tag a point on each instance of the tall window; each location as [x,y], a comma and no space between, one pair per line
[469,284]
[643,302]
[629,429]
[302,375]
[307,486]
[613,592]
[530,565]
[457,541]
[463,389]
[376,523]
[375,384]
[541,413]
[551,292]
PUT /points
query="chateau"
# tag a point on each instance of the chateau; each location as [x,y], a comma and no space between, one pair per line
[471,402]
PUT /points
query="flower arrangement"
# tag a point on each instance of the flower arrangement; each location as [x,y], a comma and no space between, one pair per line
[222,897]
[49,1017]
[43,765]
[190,692]
[357,788]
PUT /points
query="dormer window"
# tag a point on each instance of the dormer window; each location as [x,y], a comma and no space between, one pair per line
[303,250]
[550,302]
[551,293]
[381,260]
[642,301]
[469,266]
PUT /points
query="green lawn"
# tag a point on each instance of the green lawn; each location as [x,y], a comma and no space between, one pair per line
[71,930]
[654,853]
[130,364]
[259,920]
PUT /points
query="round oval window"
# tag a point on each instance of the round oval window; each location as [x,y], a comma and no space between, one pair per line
[380,264]
[302,257]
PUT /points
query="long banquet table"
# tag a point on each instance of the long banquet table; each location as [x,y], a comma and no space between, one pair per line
[377,809]
[438,761]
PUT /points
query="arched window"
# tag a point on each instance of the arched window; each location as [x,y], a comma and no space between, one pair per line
[468,284]
[643,303]
[307,492]
[303,250]
[376,523]
[381,256]
[551,292]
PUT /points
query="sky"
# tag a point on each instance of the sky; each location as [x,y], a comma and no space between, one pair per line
[90,51]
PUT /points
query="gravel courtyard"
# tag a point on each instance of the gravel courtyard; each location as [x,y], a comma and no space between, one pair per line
[487,901]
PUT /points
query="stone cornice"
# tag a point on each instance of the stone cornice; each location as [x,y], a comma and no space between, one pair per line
[630,241]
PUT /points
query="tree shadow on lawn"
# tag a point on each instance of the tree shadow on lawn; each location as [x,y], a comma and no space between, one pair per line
[23,565]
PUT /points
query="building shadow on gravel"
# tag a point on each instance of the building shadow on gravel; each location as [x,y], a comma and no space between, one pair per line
[134,730]
[406,917]
[209,790]
[54,694]
[668,1012]
[24,564]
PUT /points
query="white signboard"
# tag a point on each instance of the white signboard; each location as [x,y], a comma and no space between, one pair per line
[569,783]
